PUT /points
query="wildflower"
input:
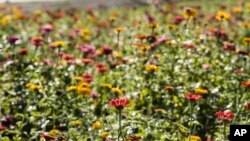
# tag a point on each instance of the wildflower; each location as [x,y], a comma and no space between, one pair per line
[23,51]
[192,97]
[226,115]
[12,39]
[76,123]
[247,105]
[37,41]
[169,88]
[178,19]
[152,68]
[96,124]
[100,67]
[58,44]
[47,136]
[47,28]
[119,103]
[71,88]
[5,20]
[246,40]
[201,91]
[107,50]
[119,29]
[87,77]
[2,128]
[54,132]
[153,25]
[229,46]
[222,16]
[190,13]
[134,137]
[116,91]
[194,138]
[87,61]
[237,9]
[34,87]
[83,91]
[104,135]
[246,84]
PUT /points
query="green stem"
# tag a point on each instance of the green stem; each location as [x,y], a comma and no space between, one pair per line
[120,123]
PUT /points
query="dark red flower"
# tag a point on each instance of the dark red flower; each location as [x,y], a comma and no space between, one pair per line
[23,51]
[119,103]
[47,136]
[87,77]
[100,67]
[37,41]
[245,84]
[192,97]
[178,19]
[2,128]
[229,46]
[12,39]
[226,115]
[107,49]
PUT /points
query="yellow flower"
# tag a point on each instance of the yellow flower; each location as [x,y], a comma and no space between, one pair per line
[117,91]
[237,9]
[5,20]
[246,40]
[54,132]
[84,85]
[171,26]
[96,124]
[194,138]
[152,68]
[76,123]
[190,13]
[83,91]
[59,43]
[221,16]
[106,85]
[200,91]
[119,29]
[145,48]
[33,87]
[153,25]
[117,54]
[71,88]
[85,32]
[104,134]
[38,12]
[248,6]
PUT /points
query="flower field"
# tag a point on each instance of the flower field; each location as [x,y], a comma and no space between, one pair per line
[177,71]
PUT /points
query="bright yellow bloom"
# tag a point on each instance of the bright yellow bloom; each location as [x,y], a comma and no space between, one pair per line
[152,68]
[237,9]
[104,134]
[76,123]
[117,54]
[59,43]
[190,13]
[96,124]
[200,91]
[84,85]
[33,87]
[221,16]
[83,91]
[5,20]
[153,25]
[119,29]
[246,40]
[85,32]
[54,132]
[194,138]
[117,91]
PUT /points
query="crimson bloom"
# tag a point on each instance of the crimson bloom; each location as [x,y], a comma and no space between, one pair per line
[12,39]
[226,115]
[119,103]
[2,128]
[192,97]
[37,41]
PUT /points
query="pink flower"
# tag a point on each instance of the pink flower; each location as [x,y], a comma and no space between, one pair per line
[119,103]
[192,97]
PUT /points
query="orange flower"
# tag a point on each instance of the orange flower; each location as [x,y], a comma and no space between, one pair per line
[246,84]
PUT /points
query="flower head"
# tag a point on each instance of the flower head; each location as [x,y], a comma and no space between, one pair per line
[246,84]
[225,115]
[194,138]
[12,39]
[190,13]
[37,41]
[151,68]
[246,40]
[96,124]
[247,105]
[2,128]
[201,91]
[192,97]
[222,16]
[34,87]
[119,103]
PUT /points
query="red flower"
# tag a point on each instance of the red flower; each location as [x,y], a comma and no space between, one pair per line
[107,49]
[87,61]
[178,19]
[245,84]
[47,136]
[119,103]
[190,96]
[226,115]
[2,128]
[23,51]
[37,41]
[247,105]
[100,67]
[87,77]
